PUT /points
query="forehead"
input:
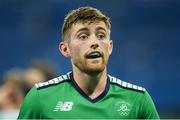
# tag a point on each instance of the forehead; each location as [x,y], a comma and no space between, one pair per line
[91,26]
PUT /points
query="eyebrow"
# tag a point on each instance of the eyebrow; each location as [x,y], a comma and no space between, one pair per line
[82,29]
[100,28]
[86,29]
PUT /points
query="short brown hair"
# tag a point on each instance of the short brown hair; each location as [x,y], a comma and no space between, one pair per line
[83,14]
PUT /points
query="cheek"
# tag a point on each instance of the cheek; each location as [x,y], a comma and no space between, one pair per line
[75,51]
[105,47]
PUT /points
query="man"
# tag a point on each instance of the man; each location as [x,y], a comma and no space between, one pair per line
[87,92]
[11,93]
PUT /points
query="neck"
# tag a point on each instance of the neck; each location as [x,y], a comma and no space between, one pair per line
[92,84]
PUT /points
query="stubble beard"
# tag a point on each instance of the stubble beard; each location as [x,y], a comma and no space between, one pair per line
[91,68]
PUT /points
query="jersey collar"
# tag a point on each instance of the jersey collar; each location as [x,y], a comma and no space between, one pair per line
[80,91]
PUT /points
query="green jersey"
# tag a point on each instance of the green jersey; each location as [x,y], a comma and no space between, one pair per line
[62,98]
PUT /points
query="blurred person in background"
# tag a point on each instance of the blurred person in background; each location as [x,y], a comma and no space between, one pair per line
[17,82]
[40,70]
[87,92]
[11,93]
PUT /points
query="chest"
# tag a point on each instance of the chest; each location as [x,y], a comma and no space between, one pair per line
[72,105]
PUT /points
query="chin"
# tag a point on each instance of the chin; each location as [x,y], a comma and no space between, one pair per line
[91,68]
[94,69]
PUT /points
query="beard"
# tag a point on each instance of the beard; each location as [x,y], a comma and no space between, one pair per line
[91,66]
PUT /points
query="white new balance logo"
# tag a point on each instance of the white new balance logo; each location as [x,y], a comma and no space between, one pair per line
[63,106]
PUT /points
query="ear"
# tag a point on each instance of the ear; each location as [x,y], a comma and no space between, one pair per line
[110,47]
[64,49]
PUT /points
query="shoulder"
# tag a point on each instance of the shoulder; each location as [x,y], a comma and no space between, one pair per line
[54,82]
[125,85]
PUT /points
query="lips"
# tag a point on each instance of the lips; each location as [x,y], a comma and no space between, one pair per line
[94,55]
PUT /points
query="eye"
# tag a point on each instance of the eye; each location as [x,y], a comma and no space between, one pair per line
[83,36]
[101,36]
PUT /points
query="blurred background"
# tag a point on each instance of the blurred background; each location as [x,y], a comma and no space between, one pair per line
[146,50]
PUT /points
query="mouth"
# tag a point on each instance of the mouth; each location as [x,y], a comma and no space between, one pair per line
[94,55]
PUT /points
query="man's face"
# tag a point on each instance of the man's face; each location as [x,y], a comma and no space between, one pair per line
[89,46]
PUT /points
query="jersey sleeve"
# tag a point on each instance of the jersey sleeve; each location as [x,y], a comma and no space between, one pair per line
[31,107]
[148,109]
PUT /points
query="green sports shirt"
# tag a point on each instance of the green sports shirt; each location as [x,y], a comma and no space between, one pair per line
[61,98]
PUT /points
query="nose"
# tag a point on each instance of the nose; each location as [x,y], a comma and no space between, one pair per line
[94,46]
[94,42]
